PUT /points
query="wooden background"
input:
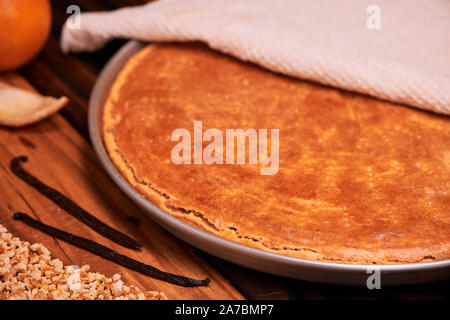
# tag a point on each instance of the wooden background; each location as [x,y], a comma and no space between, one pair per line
[61,156]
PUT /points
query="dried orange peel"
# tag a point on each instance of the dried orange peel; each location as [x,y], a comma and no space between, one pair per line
[19,107]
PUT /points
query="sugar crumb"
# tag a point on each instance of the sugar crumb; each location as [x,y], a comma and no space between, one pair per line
[28,272]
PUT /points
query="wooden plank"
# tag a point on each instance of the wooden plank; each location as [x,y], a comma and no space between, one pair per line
[95,59]
[77,75]
[63,159]
[252,284]
[48,83]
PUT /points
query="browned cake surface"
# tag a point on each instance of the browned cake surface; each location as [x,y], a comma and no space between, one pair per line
[360,180]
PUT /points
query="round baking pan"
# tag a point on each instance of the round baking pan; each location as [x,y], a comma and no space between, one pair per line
[317,271]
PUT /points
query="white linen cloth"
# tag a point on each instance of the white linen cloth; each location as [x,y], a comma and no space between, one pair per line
[407,60]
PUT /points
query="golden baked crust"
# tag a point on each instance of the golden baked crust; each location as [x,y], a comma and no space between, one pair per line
[360,180]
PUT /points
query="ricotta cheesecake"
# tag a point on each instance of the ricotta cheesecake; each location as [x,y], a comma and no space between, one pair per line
[359,180]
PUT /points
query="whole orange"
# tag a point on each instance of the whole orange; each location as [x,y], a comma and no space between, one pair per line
[24,28]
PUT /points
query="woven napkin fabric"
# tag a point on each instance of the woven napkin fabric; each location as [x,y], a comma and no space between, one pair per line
[406,60]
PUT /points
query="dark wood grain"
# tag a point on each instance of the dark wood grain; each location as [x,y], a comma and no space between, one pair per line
[54,73]
[48,83]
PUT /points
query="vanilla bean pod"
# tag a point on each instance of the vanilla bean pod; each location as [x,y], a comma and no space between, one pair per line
[110,254]
[71,207]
